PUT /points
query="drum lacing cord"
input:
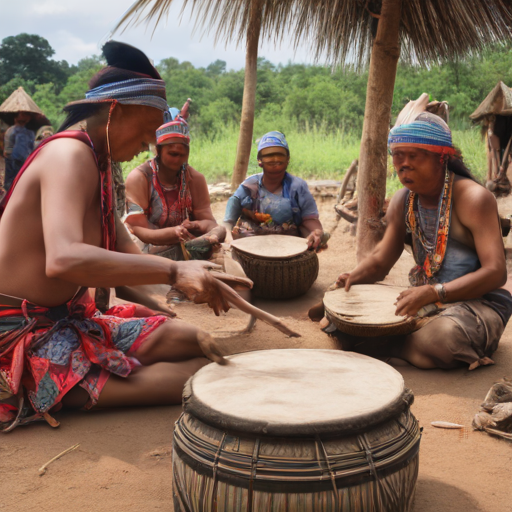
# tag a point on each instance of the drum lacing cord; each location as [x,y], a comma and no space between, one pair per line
[215,465]
[365,446]
[318,442]
[254,468]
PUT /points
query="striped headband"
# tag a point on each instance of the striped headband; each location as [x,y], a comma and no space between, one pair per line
[149,92]
[427,131]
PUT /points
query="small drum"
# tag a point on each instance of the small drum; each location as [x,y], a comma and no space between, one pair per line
[296,431]
[280,266]
[367,310]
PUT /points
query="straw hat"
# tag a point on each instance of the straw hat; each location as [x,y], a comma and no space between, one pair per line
[20,101]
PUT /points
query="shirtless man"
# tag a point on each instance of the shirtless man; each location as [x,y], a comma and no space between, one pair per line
[59,236]
[458,249]
[169,202]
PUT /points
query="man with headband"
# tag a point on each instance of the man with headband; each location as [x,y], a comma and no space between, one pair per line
[453,225]
[274,201]
[168,200]
[59,236]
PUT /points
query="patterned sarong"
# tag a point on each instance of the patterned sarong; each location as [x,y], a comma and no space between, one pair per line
[44,352]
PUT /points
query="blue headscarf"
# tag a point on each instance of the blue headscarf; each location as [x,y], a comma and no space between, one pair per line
[427,131]
[272,140]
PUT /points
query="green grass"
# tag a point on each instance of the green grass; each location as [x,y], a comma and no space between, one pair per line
[315,153]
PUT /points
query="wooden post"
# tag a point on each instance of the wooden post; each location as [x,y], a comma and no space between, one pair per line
[371,180]
[243,150]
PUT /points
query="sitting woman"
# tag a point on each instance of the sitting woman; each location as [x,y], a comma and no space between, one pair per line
[168,201]
[274,202]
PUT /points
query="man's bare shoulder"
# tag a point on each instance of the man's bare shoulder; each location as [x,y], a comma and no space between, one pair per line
[470,194]
[396,206]
[66,153]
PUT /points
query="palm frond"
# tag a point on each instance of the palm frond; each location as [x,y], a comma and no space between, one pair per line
[343,30]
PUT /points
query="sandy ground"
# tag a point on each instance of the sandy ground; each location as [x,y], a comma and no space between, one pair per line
[124,458]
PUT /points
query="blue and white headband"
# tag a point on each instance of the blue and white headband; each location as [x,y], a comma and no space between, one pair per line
[149,92]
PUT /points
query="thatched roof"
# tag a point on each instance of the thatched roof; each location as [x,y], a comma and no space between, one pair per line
[498,101]
[431,30]
[20,101]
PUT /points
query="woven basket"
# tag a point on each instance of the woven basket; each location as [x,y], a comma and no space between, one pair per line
[280,279]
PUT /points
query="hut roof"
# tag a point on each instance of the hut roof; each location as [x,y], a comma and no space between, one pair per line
[430,30]
[20,101]
[497,102]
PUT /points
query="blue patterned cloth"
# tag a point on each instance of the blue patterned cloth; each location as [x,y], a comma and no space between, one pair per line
[136,91]
[252,195]
[427,131]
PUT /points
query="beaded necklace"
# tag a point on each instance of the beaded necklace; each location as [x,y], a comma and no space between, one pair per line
[434,252]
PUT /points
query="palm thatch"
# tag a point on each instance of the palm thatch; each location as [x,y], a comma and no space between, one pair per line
[343,30]
[497,102]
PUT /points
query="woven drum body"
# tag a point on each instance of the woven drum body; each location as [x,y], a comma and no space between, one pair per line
[277,273]
[293,431]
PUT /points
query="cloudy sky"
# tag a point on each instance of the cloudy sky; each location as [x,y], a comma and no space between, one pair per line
[77,28]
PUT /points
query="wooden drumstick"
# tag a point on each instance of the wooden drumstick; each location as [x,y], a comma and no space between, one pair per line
[238,302]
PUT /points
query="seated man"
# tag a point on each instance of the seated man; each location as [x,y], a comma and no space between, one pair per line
[168,200]
[59,236]
[458,249]
[274,202]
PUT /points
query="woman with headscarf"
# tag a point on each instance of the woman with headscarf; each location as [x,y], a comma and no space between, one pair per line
[168,200]
[274,201]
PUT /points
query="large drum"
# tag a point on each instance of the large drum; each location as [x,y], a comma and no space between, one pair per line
[280,266]
[296,431]
[367,310]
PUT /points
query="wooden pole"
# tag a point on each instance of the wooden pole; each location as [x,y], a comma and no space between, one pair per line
[243,150]
[371,176]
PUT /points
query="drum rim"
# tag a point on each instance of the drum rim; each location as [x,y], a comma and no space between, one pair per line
[348,426]
[260,256]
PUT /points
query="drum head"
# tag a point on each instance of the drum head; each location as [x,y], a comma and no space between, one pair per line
[367,307]
[296,392]
[271,246]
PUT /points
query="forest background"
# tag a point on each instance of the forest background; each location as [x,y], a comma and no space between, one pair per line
[320,109]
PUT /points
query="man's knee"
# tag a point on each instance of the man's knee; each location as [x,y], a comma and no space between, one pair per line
[438,340]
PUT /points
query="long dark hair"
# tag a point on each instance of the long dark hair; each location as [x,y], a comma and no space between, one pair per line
[458,167]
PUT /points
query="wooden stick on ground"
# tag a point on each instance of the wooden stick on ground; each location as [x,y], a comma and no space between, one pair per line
[42,469]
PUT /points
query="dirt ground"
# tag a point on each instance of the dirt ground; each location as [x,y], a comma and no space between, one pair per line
[124,458]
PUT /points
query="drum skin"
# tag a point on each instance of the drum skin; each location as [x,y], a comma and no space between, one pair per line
[280,279]
[229,463]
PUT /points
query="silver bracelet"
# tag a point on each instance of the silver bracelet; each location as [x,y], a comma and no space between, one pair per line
[441,291]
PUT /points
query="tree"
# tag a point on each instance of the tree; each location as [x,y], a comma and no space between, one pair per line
[28,56]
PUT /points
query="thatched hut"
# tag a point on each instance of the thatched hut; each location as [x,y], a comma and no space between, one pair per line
[494,114]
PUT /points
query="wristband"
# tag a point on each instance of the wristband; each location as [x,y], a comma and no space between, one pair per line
[441,291]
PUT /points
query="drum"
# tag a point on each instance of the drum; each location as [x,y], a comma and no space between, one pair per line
[367,310]
[280,266]
[296,431]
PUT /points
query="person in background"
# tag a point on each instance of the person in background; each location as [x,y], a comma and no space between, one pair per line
[274,201]
[18,144]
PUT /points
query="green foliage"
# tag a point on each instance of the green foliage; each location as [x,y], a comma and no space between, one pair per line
[28,56]
[320,110]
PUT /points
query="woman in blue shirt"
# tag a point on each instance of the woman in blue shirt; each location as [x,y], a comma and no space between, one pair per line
[274,202]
